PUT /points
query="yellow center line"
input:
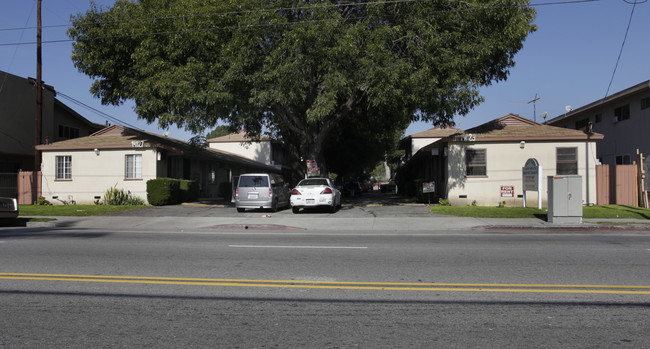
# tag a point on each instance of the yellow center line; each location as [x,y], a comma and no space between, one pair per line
[340,285]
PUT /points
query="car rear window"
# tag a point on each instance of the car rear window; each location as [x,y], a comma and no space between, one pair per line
[313,182]
[253,181]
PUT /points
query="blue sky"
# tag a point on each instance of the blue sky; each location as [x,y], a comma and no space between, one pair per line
[569,60]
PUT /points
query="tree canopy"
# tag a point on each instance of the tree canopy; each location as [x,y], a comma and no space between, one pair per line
[298,70]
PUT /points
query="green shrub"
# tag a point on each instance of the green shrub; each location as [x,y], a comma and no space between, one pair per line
[134,201]
[163,191]
[502,204]
[42,202]
[225,190]
[444,202]
[115,196]
[189,190]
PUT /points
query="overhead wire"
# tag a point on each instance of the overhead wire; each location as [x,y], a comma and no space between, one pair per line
[98,112]
[620,52]
[269,24]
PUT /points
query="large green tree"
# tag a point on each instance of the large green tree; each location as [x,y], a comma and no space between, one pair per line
[298,69]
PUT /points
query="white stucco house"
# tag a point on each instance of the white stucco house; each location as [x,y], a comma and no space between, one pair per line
[264,150]
[413,143]
[82,169]
[476,165]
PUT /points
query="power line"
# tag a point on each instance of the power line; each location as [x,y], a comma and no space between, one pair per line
[97,111]
[271,24]
[620,52]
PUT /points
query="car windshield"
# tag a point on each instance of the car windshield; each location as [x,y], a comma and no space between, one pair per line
[319,181]
[253,181]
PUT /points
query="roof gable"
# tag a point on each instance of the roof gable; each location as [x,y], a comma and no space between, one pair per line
[437,132]
[513,127]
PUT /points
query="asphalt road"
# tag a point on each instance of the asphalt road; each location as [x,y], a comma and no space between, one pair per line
[63,287]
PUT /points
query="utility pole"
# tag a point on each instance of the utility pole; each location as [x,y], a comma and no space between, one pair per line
[39,104]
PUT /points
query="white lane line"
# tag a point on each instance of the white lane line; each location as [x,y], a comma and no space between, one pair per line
[287,246]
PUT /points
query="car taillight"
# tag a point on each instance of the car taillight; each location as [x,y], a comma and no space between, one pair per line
[237,192]
[326,191]
[295,192]
[270,191]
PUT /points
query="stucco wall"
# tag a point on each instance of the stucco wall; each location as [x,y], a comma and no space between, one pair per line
[419,143]
[622,137]
[260,152]
[504,163]
[93,174]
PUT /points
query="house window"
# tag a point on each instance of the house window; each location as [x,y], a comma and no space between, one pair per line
[68,132]
[475,162]
[645,103]
[598,117]
[64,167]
[622,113]
[582,124]
[623,160]
[567,161]
[133,166]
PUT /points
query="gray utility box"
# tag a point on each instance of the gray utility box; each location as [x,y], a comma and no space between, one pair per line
[565,199]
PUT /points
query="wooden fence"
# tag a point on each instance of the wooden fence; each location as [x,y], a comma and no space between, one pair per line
[26,196]
[616,184]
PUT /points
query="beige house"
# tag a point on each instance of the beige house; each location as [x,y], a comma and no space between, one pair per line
[623,118]
[82,169]
[484,164]
[413,143]
[264,150]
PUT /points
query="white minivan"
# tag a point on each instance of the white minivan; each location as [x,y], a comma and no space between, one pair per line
[261,190]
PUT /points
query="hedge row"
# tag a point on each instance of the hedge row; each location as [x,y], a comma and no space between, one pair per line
[170,191]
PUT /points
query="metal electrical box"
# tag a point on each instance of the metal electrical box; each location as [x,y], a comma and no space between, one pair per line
[565,199]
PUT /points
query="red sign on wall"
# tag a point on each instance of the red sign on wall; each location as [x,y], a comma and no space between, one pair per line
[507,191]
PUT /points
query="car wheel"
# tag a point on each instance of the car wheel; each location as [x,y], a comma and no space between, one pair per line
[333,209]
[295,209]
[239,209]
[274,206]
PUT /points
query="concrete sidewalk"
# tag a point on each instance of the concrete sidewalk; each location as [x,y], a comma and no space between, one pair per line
[301,223]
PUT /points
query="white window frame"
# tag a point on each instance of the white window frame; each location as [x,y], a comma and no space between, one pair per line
[561,159]
[475,164]
[133,166]
[63,168]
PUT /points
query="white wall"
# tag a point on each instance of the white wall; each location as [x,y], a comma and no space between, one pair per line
[419,143]
[504,163]
[93,174]
[260,152]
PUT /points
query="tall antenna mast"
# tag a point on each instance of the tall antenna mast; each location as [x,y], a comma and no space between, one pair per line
[534,101]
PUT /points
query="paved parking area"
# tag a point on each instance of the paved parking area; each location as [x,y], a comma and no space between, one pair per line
[374,204]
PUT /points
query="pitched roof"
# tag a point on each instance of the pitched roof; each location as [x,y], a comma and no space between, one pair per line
[513,127]
[237,137]
[437,132]
[121,137]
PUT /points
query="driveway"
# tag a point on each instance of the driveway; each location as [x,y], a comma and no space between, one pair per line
[372,204]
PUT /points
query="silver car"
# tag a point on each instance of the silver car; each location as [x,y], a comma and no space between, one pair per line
[261,190]
[314,192]
[8,208]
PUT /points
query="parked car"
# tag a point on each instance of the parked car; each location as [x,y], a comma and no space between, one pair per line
[8,207]
[388,187]
[315,192]
[261,191]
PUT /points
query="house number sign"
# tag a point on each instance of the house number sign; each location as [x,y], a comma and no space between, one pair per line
[137,144]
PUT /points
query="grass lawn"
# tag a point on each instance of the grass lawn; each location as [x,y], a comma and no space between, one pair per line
[601,211]
[74,210]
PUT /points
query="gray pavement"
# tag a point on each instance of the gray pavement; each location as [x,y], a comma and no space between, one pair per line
[372,213]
